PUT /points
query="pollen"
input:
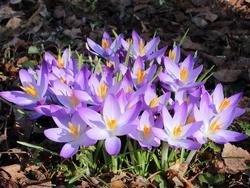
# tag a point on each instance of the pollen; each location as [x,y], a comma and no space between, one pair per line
[128,89]
[108,64]
[102,90]
[74,131]
[146,130]
[224,104]
[111,123]
[141,48]
[140,76]
[214,126]
[30,90]
[154,102]
[74,101]
[177,130]
[183,74]
[190,119]
[63,80]
[171,55]
[105,43]
[130,41]
[60,62]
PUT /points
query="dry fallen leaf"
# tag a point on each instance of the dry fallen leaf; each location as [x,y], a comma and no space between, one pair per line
[13,23]
[235,158]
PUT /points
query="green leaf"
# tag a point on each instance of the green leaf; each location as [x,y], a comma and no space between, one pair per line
[206,75]
[33,50]
[214,147]
[184,37]
[40,148]
[208,178]
[29,64]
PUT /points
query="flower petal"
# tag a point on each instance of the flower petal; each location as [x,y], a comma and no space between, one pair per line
[111,108]
[97,133]
[58,135]
[113,145]
[91,118]
[18,97]
[68,150]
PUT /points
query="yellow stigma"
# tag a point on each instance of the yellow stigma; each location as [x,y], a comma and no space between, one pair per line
[140,76]
[224,104]
[111,123]
[105,43]
[146,130]
[60,62]
[102,90]
[171,55]
[128,89]
[108,64]
[73,130]
[190,119]
[154,102]
[74,101]
[214,126]
[63,80]
[177,130]
[30,90]
[141,48]
[183,74]
[130,41]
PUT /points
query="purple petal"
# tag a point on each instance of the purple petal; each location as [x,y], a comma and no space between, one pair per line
[58,135]
[113,145]
[68,150]
[97,133]
[111,108]
[180,115]
[167,119]
[130,114]
[25,77]
[230,136]
[190,129]
[91,118]
[136,41]
[218,95]
[185,143]
[18,97]
[83,96]
[160,133]
[151,46]
[96,47]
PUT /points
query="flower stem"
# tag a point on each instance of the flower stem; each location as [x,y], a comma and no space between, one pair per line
[190,156]
[114,161]
[182,154]
[164,157]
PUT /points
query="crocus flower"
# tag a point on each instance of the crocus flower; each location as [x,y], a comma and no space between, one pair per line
[143,132]
[139,48]
[140,75]
[62,61]
[70,130]
[34,86]
[214,125]
[180,76]
[174,55]
[222,103]
[108,47]
[153,101]
[110,124]
[176,132]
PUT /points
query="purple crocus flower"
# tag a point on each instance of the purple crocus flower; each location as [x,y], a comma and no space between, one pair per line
[140,75]
[139,48]
[110,124]
[143,133]
[108,48]
[70,130]
[62,61]
[174,55]
[153,101]
[183,76]
[221,103]
[176,132]
[215,125]
[34,86]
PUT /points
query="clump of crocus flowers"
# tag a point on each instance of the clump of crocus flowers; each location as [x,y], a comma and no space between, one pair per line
[130,88]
